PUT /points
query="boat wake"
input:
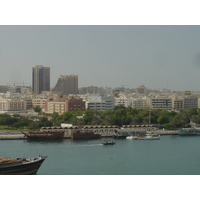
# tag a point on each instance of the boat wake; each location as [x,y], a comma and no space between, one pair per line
[86,145]
[91,145]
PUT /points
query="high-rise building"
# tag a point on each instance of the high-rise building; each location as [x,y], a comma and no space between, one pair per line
[67,84]
[40,79]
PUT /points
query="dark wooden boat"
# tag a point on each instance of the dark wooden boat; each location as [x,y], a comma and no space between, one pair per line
[84,134]
[20,166]
[109,143]
[44,134]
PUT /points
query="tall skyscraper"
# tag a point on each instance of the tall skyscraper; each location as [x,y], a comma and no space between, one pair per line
[66,85]
[40,79]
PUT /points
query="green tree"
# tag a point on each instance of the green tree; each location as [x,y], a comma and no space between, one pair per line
[195,119]
[163,119]
[34,125]
[175,121]
[136,120]
[37,109]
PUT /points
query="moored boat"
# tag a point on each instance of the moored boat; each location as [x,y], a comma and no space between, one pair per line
[109,142]
[131,137]
[188,131]
[44,134]
[84,134]
[148,137]
[20,166]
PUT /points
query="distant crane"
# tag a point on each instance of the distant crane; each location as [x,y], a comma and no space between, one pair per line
[14,83]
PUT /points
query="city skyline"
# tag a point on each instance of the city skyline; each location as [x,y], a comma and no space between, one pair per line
[109,56]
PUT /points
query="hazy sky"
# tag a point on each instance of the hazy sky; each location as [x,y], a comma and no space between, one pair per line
[155,56]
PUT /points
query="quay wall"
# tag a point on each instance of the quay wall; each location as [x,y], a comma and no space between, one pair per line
[164,132]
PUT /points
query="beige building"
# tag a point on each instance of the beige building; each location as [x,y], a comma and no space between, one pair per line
[125,101]
[139,103]
[61,106]
[177,103]
[160,102]
[12,105]
[55,106]
[39,102]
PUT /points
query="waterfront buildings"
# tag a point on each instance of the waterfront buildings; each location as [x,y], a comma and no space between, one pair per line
[39,101]
[61,105]
[92,97]
[125,101]
[66,84]
[139,103]
[40,79]
[12,104]
[100,103]
[160,102]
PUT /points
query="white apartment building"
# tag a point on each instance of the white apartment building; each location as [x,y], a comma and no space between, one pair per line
[95,105]
[177,103]
[160,102]
[100,103]
[139,103]
[12,104]
[123,101]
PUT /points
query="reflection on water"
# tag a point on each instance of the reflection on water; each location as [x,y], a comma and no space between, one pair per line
[44,141]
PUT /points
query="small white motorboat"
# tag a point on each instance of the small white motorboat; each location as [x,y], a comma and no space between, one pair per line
[149,137]
[131,137]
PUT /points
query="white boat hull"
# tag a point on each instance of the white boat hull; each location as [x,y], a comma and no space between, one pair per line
[131,137]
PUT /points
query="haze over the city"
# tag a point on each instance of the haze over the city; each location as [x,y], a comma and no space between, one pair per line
[113,56]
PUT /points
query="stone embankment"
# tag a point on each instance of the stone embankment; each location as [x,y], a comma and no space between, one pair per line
[11,136]
[164,132]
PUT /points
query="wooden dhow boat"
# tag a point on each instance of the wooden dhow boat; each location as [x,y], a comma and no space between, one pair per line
[20,166]
[44,134]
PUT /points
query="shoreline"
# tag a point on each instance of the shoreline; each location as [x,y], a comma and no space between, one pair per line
[20,136]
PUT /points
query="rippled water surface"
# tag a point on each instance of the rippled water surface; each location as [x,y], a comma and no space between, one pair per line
[171,155]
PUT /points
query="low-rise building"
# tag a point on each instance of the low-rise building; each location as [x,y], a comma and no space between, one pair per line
[39,101]
[160,102]
[125,101]
[100,103]
[139,103]
[190,102]
[12,104]
[61,106]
